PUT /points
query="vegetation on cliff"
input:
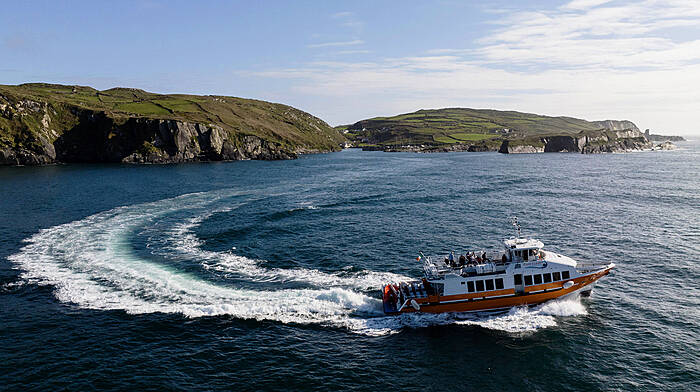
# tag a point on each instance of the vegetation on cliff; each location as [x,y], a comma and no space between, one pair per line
[42,123]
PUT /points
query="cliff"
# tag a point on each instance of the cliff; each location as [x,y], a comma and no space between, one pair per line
[43,124]
[588,142]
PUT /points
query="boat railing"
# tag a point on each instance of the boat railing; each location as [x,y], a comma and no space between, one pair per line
[430,268]
[591,267]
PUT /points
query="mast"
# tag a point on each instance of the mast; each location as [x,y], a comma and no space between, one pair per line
[516,225]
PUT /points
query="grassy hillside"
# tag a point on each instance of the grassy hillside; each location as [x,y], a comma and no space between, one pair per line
[459,125]
[277,123]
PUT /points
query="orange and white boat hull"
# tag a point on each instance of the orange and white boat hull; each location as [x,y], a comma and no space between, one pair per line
[495,299]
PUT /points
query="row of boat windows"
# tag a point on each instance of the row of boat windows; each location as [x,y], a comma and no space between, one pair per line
[497,284]
[546,278]
[484,285]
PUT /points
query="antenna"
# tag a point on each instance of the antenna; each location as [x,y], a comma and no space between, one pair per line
[516,225]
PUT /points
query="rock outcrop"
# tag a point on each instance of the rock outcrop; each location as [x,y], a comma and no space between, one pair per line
[666,146]
[97,137]
[616,125]
[586,143]
[662,138]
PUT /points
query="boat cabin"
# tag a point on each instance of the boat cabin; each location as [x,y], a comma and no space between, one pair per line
[520,250]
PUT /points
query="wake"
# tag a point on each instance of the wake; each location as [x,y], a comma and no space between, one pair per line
[90,263]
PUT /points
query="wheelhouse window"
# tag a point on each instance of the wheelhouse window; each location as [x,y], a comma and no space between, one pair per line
[528,280]
[499,283]
[565,274]
[489,284]
[470,286]
[547,277]
[556,276]
[538,279]
[479,285]
[517,279]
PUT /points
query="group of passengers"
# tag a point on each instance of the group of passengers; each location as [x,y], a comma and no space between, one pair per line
[469,259]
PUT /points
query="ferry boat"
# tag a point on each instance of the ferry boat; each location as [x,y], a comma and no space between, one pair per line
[524,274]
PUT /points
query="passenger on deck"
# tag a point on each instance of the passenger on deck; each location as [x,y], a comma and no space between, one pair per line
[452,259]
[483,256]
[469,259]
[462,260]
[478,260]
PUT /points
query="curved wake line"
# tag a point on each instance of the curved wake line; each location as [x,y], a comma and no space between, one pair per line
[182,241]
[91,263]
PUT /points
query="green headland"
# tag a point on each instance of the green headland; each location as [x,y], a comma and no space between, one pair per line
[124,124]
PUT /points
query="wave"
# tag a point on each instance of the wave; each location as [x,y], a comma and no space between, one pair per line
[183,242]
[91,263]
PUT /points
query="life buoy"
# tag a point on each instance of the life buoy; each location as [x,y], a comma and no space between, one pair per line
[415,304]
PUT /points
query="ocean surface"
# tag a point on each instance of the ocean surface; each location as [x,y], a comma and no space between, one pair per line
[266,275]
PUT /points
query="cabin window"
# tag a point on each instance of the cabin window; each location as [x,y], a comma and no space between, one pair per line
[499,283]
[547,277]
[470,286]
[565,274]
[479,285]
[525,255]
[517,279]
[538,279]
[489,284]
[528,280]
[556,276]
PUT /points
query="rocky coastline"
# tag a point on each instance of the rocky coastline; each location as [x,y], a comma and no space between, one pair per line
[40,132]
[603,141]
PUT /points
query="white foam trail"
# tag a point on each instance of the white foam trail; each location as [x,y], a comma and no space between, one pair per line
[515,320]
[90,263]
[183,241]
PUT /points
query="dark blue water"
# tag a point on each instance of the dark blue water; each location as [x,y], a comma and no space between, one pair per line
[266,275]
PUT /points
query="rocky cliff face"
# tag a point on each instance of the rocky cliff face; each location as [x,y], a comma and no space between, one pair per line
[616,125]
[34,132]
[588,143]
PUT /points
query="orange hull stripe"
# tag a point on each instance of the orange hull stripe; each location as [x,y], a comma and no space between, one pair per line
[507,302]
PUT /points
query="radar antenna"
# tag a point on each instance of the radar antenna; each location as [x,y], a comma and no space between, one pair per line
[516,225]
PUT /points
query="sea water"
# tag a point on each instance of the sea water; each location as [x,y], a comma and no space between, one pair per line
[267,275]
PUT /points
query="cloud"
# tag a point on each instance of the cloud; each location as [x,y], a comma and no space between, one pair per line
[339,43]
[343,14]
[588,59]
[359,51]
[626,35]
[584,4]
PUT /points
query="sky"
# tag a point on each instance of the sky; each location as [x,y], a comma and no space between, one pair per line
[344,61]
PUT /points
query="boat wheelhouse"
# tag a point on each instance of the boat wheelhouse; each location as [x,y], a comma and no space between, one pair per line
[524,274]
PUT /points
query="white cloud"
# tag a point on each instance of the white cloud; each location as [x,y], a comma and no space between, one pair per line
[583,4]
[338,43]
[342,14]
